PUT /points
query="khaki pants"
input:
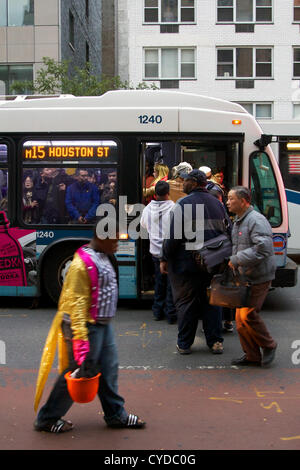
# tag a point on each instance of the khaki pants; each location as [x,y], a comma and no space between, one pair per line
[252,330]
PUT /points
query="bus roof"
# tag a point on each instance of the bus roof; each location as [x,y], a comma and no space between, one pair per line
[125,98]
[126,111]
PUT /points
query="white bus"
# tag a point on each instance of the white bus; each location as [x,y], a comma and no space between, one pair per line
[49,146]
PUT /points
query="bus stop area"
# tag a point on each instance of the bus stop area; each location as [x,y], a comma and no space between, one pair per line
[190,403]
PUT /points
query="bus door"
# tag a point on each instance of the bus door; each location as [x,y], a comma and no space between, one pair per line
[221,153]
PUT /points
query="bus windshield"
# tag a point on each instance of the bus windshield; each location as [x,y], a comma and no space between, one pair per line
[264,190]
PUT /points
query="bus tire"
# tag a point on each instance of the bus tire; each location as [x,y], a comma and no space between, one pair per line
[55,267]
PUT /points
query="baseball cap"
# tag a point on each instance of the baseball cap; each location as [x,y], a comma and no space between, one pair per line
[182,168]
[196,175]
[205,169]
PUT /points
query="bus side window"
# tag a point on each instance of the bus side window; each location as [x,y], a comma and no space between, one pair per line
[265,196]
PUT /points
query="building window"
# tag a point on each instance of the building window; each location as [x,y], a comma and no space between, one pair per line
[71,30]
[16,12]
[169,63]
[296,10]
[14,73]
[296,67]
[169,11]
[296,111]
[259,110]
[87,52]
[244,62]
[244,11]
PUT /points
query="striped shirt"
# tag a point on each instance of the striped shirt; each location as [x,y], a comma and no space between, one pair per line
[108,286]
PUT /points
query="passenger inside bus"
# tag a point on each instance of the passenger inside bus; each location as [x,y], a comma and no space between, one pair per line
[49,191]
[82,199]
[30,205]
[160,173]
[109,188]
[218,178]
[176,183]
[3,191]
[65,196]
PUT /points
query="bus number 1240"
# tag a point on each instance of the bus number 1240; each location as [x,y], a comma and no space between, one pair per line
[145,119]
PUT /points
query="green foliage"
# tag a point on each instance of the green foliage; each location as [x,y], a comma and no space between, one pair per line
[54,77]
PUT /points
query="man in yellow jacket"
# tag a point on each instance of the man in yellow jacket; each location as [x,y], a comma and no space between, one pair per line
[83,330]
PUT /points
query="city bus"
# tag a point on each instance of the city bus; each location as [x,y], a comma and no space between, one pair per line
[286,148]
[63,157]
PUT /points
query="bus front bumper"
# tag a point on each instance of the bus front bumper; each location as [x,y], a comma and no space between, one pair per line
[287,276]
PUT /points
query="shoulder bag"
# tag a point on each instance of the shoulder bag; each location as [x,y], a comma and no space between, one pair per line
[229,289]
[213,253]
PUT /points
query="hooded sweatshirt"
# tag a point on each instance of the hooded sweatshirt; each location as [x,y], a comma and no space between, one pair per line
[156,220]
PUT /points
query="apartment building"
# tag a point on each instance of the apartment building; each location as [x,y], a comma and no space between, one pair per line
[247,51]
[60,29]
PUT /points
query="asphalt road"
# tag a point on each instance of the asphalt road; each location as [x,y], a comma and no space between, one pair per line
[195,402]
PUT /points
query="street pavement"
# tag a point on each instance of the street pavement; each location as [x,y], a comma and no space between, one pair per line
[193,402]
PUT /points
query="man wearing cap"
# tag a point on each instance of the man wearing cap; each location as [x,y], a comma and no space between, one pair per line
[176,183]
[188,283]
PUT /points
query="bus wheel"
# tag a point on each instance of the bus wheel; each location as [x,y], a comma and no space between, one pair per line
[55,268]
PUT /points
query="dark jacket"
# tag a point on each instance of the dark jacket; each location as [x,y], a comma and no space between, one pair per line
[82,200]
[252,250]
[51,199]
[175,252]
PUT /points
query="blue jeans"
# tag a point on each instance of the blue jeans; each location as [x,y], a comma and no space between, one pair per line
[103,352]
[163,304]
[189,293]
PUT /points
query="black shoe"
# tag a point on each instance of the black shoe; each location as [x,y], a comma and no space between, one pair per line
[172,320]
[157,318]
[228,326]
[268,356]
[243,361]
[183,351]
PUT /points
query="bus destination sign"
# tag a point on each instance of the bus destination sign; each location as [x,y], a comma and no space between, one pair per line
[70,150]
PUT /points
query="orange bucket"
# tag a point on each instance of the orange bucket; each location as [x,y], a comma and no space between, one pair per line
[82,390]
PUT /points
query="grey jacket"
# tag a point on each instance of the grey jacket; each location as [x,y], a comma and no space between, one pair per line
[253,251]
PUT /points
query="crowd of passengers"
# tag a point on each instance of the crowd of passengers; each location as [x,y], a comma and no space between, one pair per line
[53,196]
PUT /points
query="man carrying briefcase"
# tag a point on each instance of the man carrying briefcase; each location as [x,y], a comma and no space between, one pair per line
[253,256]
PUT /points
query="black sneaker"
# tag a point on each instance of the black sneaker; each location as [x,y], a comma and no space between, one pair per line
[243,361]
[268,356]
[228,326]
[159,318]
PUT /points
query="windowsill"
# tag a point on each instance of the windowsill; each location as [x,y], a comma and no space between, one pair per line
[170,23]
[165,79]
[244,78]
[244,22]
[17,25]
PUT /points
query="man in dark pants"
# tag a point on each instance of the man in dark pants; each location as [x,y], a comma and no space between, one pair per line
[155,219]
[253,256]
[188,283]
